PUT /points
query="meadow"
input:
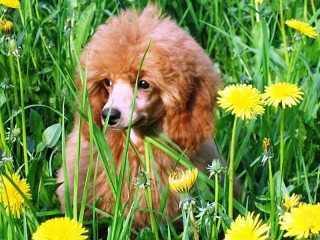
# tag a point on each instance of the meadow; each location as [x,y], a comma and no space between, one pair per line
[275,154]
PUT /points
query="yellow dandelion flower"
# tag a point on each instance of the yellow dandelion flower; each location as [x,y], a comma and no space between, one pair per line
[248,228]
[290,202]
[182,181]
[60,228]
[10,3]
[266,144]
[287,94]
[6,25]
[258,1]
[243,100]
[267,152]
[301,221]
[302,27]
[10,197]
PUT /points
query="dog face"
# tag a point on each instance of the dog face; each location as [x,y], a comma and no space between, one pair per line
[119,110]
[119,93]
[176,85]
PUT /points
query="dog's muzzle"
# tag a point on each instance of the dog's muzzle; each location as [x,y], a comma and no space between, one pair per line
[114,115]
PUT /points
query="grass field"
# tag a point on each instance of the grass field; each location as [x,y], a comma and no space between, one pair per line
[249,42]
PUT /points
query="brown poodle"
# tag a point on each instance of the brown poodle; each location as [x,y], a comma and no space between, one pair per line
[176,93]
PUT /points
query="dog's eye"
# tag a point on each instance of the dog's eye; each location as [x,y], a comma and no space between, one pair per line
[107,82]
[143,84]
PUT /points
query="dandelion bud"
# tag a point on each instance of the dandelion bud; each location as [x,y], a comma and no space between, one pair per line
[16,132]
[13,45]
[6,25]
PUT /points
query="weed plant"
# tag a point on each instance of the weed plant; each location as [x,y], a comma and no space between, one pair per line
[249,43]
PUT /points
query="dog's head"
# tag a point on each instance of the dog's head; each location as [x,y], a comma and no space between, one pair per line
[175,88]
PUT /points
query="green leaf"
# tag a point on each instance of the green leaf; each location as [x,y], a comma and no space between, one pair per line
[263,207]
[146,233]
[83,27]
[226,219]
[2,97]
[37,126]
[51,135]
[35,175]
[280,187]
[41,146]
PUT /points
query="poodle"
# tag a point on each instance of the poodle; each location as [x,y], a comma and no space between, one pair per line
[175,93]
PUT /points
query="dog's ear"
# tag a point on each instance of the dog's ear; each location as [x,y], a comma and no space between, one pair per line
[97,97]
[191,124]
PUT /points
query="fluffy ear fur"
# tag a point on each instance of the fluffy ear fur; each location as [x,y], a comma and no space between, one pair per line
[97,95]
[190,127]
[187,83]
[191,123]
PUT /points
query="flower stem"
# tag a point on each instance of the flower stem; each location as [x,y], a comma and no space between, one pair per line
[313,7]
[13,77]
[282,143]
[216,199]
[256,5]
[216,192]
[272,198]
[3,144]
[216,9]
[23,118]
[231,168]
[154,226]
[283,33]
[193,225]
[293,60]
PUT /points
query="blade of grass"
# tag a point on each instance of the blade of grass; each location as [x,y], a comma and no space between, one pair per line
[147,149]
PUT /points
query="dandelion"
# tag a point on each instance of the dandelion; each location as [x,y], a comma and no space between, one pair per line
[287,94]
[248,228]
[267,153]
[10,197]
[266,144]
[243,100]
[291,202]
[302,27]
[13,135]
[259,1]
[182,181]
[6,25]
[60,228]
[215,168]
[10,3]
[302,221]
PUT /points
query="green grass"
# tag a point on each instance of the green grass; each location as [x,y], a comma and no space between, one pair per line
[249,44]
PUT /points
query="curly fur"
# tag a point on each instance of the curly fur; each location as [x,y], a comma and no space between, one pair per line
[184,86]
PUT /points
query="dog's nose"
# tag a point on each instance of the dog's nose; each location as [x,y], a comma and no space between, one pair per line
[115,114]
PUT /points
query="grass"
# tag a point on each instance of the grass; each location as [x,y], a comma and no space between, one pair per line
[248,42]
